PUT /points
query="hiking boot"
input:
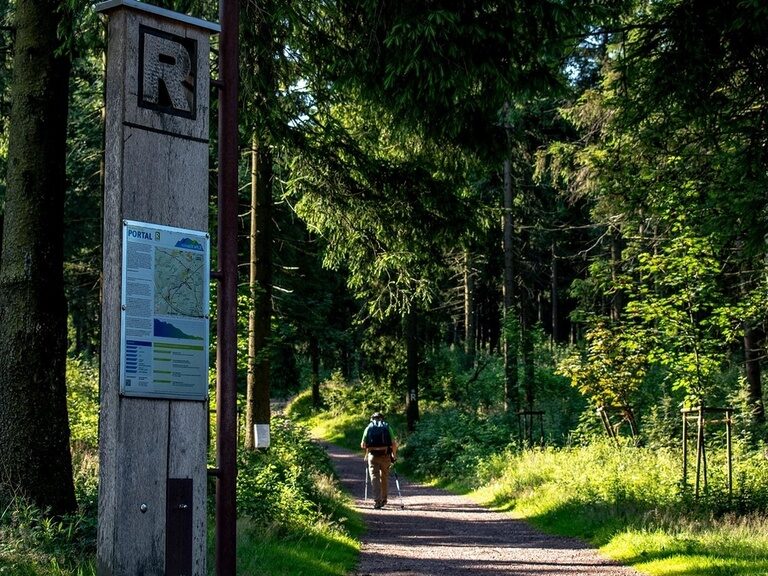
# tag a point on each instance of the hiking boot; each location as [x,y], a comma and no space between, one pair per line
[378,505]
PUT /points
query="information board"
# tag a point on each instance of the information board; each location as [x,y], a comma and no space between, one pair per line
[164,315]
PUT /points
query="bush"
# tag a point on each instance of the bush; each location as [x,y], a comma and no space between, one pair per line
[446,378]
[287,487]
[362,397]
[34,543]
[450,443]
[83,402]
[37,545]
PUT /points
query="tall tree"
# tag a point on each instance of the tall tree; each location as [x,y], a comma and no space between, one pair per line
[259,49]
[447,69]
[673,162]
[34,430]
[702,72]
[260,312]
[511,335]
[412,369]
[470,311]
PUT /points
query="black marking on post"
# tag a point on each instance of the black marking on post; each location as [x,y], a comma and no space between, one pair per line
[167,73]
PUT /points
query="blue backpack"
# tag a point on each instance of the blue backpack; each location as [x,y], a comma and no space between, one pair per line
[378,435]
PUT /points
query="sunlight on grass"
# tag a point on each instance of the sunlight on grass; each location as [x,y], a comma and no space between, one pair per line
[724,547]
[343,430]
[313,553]
[629,505]
[626,501]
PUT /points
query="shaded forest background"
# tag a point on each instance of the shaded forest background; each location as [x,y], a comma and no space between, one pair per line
[498,206]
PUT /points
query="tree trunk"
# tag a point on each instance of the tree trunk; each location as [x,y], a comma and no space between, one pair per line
[260,316]
[618,299]
[258,50]
[412,370]
[555,297]
[469,310]
[314,353]
[526,345]
[35,455]
[752,372]
[510,332]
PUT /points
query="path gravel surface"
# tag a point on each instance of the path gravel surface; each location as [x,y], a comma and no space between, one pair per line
[441,534]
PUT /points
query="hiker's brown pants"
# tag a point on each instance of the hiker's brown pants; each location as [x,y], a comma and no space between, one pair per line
[378,468]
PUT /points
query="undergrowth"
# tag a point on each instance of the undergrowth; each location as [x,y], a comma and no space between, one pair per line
[34,544]
[292,517]
[629,501]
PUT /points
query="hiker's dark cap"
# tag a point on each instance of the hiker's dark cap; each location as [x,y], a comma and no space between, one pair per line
[377,416]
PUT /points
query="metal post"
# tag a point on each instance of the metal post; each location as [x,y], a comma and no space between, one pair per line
[226,348]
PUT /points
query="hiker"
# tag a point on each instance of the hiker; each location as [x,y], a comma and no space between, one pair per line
[380,448]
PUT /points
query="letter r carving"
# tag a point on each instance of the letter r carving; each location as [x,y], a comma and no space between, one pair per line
[167,73]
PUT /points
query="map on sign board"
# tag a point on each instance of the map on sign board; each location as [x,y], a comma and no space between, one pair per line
[178,281]
[164,320]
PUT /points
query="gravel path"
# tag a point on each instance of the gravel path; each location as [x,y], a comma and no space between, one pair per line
[441,534]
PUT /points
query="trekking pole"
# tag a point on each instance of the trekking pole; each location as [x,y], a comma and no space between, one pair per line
[366,482]
[397,483]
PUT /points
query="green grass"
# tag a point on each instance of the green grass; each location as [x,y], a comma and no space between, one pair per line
[324,551]
[625,501]
[728,546]
[628,503]
[32,544]
[344,430]
[293,518]
[22,565]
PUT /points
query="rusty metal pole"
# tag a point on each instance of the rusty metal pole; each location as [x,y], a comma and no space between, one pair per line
[226,346]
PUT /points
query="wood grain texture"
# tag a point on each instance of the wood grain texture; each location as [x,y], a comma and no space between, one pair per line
[156,170]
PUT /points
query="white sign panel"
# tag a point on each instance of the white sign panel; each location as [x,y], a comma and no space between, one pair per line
[164,320]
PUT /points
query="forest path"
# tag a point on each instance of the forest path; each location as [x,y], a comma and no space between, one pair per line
[442,534]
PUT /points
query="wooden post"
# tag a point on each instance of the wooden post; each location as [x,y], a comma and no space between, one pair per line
[685,448]
[626,415]
[700,414]
[700,450]
[729,449]
[705,475]
[153,441]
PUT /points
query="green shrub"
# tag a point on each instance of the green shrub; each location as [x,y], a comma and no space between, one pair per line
[300,407]
[36,545]
[286,487]
[450,443]
[83,401]
[361,397]
[622,481]
[446,378]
